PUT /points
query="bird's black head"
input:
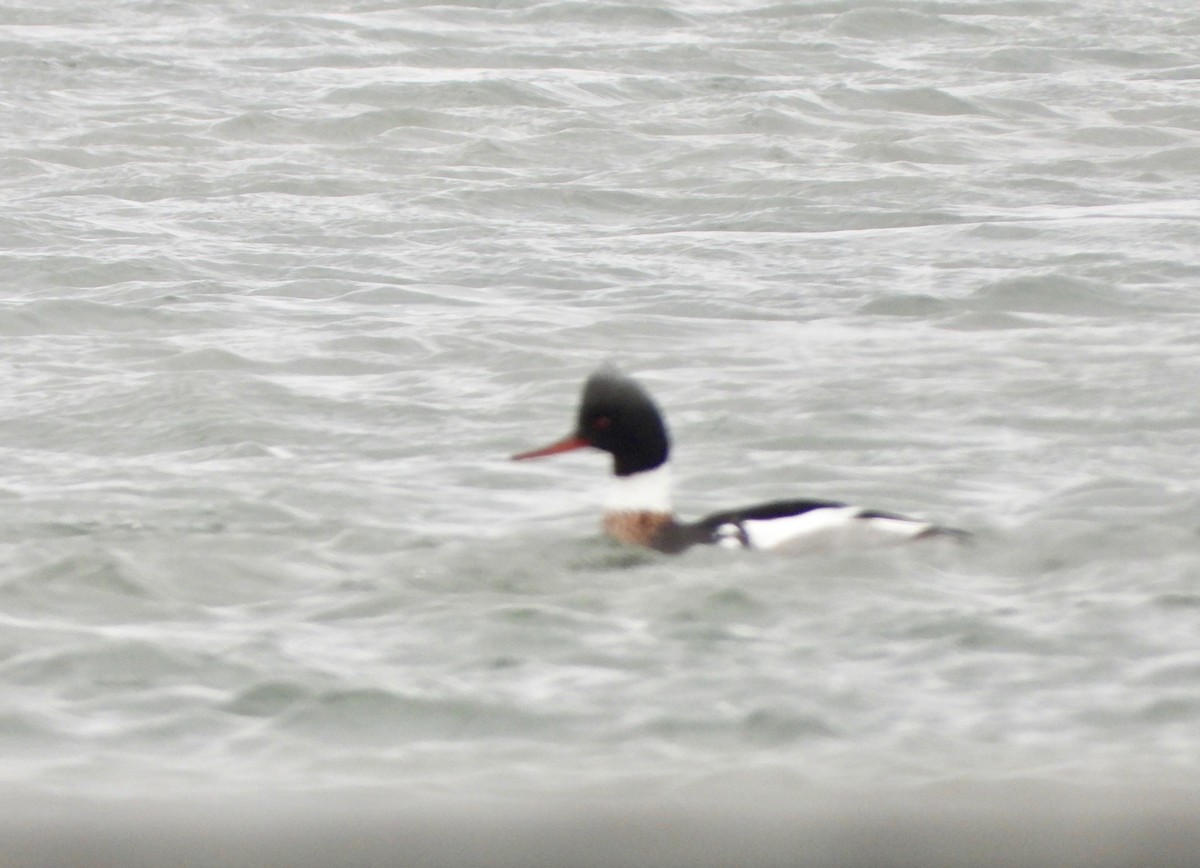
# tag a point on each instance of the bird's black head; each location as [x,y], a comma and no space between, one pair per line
[618,416]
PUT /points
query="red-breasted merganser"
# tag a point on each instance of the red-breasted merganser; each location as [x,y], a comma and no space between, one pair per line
[617,416]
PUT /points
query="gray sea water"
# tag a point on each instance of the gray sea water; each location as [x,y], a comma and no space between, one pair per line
[283,285]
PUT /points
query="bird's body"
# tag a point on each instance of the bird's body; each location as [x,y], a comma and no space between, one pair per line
[616,415]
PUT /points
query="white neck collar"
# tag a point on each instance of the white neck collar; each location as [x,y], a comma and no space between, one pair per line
[648,491]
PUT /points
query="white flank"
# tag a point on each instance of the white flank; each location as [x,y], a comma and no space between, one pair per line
[649,491]
[830,528]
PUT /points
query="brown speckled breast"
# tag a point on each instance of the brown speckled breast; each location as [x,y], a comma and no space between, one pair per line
[637,528]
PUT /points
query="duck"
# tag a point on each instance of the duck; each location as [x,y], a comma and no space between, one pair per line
[616,415]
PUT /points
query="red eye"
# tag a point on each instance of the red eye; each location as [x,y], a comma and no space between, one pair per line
[601,422]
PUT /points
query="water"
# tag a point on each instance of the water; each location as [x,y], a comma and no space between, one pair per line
[283,285]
